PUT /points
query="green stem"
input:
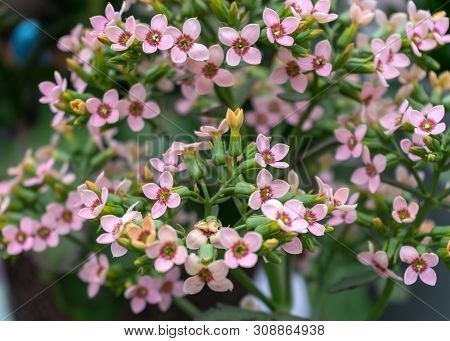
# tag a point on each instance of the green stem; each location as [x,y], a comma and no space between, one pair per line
[208,202]
[276,273]
[383,301]
[186,306]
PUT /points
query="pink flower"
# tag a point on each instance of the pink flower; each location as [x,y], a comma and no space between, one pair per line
[166,251]
[428,123]
[51,91]
[65,217]
[262,121]
[113,227]
[241,44]
[94,273]
[99,22]
[419,37]
[420,266]
[404,213]
[163,195]
[439,28]
[379,262]
[104,111]
[203,232]
[318,61]
[19,239]
[320,12]
[45,234]
[122,39]
[154,37]
[370,173]
[361,16]
[94,204]
[287,216]
[240,251]
[41,171]
[417,141]
[169,285]
[278,31]
[310,218]
[210,73]
[267,189]
[142,293]
[71,42]
[136,108]
[339,217]
[351,142]
[294,247]
[214,275]
[290,70]
[185,42]
[270,156]
[395,120]
[170,162]
[212,132]
[393,23]
[339,200]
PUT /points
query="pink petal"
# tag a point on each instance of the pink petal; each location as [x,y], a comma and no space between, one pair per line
[279,151]
[228,237]
[290,24]
[279,188]
[365,258]
[299,83]
[324,70]
[151,191]
[135,123]
[431,259]
[193,285]
[379,161]
[221,286]
[195,239]
[92,105]
[319,211]
[174,200]
[177,55]
[436,113]
[138,93]
[158,210]
[216,55]
[410,276]
[141,32]
[105,238]
[306,63]
[113,33]
[279,75]
[374,183]
[138,305]
[230,260]
[111,97]
[118,250]
[192,28]
[263,143]
[270,17]
[316,229]
[163,265]
[167,234]
[159,23]
[166,42]
[224,78]
[248,261]
[294,247]
[180,255]
[253,240]
[428,276]
[228,35]
[166,180]
[253,56]
[233,58]
[198,52]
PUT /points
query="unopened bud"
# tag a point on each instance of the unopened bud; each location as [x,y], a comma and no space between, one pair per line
[271,243]
[235,119]
[244,188]
[206,253]
[377,222]
[92,187]
[233,15]
[103,39]
[348,35]
[220,9]
[78,106]
[428,140]
[250,151]
[254,221]
[218,151]
[431,157]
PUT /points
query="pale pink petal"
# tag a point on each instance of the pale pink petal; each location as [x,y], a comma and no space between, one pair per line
[228,237]
[224,78]
[270,17]
[192,28]
[163,265]
[294,247]
[198,52]
[137,304]
[193,285]
[158,210]
[233,58]
[410,276]
[228,35]
[249,261]
[279,75]
[253,240]
[428,276]
[431,259]
[251,33]
[151,191]
[174,200]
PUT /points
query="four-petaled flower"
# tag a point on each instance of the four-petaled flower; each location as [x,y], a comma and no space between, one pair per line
[310,218]
[395,120]
[277,30]
[169,285]
[404,213]
[267,156]
[420,266]
[318,61]
[94,204]
[100,22]
[240,251]
[19,239]
[241,44]
[428,123]
[379,262]
[142,293]
[370,173]
[290,70]
[267,189]
[104,111]
[154,37]
[287,216]
[351,142]
[122,39]
[94,273]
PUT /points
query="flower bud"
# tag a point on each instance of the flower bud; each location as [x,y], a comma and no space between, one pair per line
[250,151]
[348,36]
[206,253]
[78,106]
[431,157]
[192,166]
[103,39]
[358,65]
[233,15]
[91,186]
[244,188]
[220,9]
[419,151]
[273,257]
[254,221]
[183,191]
[268,229]
[219,156]
[235,119]
[271,243]
[235,147]
[377,222]
[345,55]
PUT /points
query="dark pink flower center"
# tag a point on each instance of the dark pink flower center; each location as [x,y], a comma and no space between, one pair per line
[123,39]
[67,216]
[292,68]
[184,42]
[266,193]
[368,100]
[241,46]
[319,61]
[104,110]
[261,118]
[43,232]
[95,204]
[116,229]
[277,30]
[163,195]
[167,287]
[240,249]
[310,217]
[274,106]
[209,70]
[21,237]
[268,156]
[205,274]
[168,250]
[419,265]
[403,214]
[352,142]
[141,292]
[371,170]
[136,108]
[286,219]
[427,124]
[153,37]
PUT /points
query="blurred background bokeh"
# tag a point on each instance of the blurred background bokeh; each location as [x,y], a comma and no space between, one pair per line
[29,30]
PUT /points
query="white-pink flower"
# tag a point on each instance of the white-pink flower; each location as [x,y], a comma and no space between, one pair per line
[19,239]
[166,250]
[277,30]
[113,227]
[170,162]
[51,91]
[163,195]
[268,156]
[416,141]
[361,16]
[154,37]
[209,72]
[213,275]
[289,71]
[93,204]
[240,251]
[241,44]
[439,28]
[41,171]
[339,200]
[104,111]
[136,108]
[319,11]
[310,218]
[202,233]
[339,217]
[370,173]
[287,216]
[45,234]
[169,285]
[420,266]
[351,142]
[100,22]
[379,262]
[94,273]
[318,61]
[66,216]
[122,39]
[395,120]
[267,189]
[142,293]
[212,132]
[185,42]
[427,123]
[404,213]
[419,37]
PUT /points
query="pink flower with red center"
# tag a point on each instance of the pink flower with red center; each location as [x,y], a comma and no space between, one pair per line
[113,226]
[163,195]
[66,216]
[122,39]
[213,275]
[404,213]
[369,95]
[287,216]
[290,70]
[270,156]
[240,251]
[136,108]
[42,170]
[166,250]
[339,217]
[420,38]
[212,132]
[185,42]
[310,218]
[267,189]
[318,61]
[339,200]
[170,162]
[351,142]
[420,266]
[319,11]
[439,28]
[154,37]
[105,111]
[428,123]
[51,91]
[45,234]
[395,120]
[379,262]
[209,72]
[277,30]
[19,239]
[169,285]
[94,273]
[142,293]
[203,233]
[370,173]
[71,42]
[100,22]
[417,141]
[93,203]
[241,44]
